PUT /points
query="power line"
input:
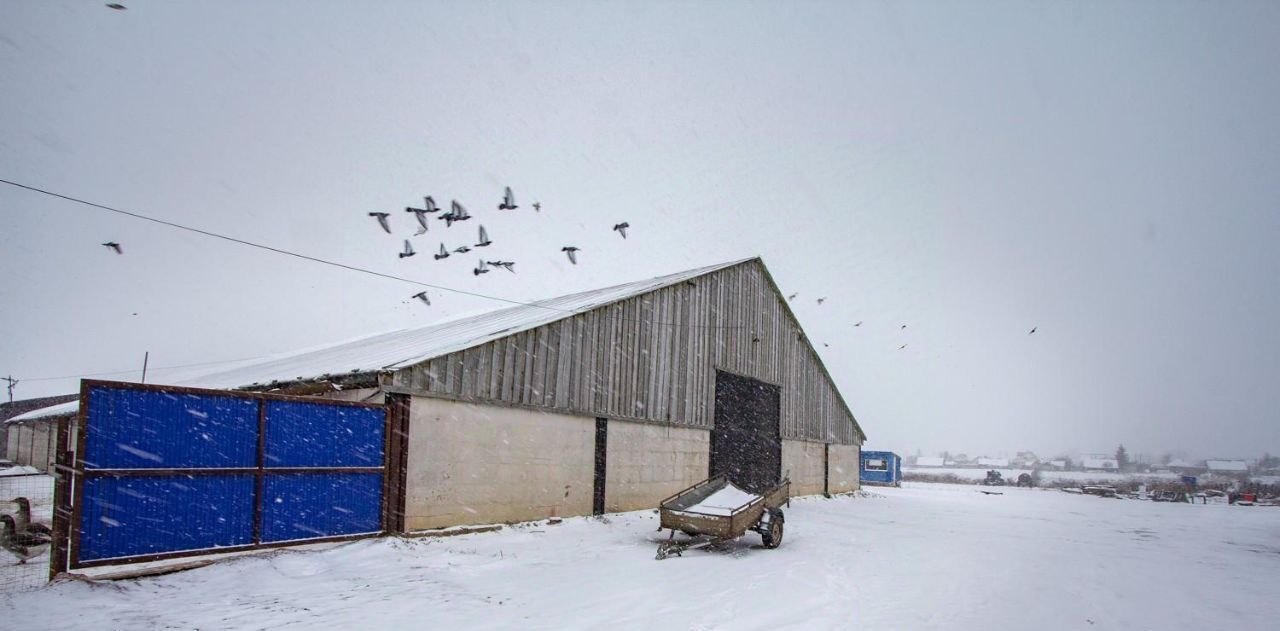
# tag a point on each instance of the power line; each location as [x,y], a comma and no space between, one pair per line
[269,248]
[352,268]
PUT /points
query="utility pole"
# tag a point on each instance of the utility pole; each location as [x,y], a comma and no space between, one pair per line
[12,382]
[146,355]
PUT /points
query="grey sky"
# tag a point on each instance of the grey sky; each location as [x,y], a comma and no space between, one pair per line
[1103,172]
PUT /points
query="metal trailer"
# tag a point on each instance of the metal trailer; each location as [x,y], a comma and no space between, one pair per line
[762,515]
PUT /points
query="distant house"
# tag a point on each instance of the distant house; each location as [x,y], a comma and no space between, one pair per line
[1099,464]
[993,462]
[930,461]
[881,468]
[28,443]
[1026,460]
[1184,467]
[1056,465]
[1233,468]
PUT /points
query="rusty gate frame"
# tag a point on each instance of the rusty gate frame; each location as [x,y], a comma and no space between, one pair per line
[70,474]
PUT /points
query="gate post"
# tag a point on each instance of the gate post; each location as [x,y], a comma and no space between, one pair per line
[396,463]
[63,472]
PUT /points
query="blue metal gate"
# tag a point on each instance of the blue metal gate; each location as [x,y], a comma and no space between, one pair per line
[164,471]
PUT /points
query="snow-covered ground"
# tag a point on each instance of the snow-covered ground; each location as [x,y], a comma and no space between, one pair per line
[920,557]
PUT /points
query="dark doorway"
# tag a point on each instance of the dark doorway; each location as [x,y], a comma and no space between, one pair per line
[746,443]
[602,448]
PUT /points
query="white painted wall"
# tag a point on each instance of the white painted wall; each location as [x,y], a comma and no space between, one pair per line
[844,463]
[803,461]
[645,463]
[472,464]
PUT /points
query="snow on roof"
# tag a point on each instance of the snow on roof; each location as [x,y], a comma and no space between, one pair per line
[405,347]
[1226,465]
[61,409]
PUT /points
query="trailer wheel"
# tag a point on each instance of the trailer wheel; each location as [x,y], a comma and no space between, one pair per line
[772,536]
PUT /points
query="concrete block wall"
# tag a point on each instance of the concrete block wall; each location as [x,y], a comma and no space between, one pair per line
[13,441]
[844,463]
[804,460]
[42,445]
[645,463]
[474,464]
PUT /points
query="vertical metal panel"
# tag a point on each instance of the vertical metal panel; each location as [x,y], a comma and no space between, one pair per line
[311,505]
[133,516]
[138,429]
[323,435]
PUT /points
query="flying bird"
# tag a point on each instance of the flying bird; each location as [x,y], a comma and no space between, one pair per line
[622,228]
[508,200]
[537,206]
[421,215]
[480,269]
[456,213]
[572,253]
[902,347]
[792,297]
[114,246]
[858,323]
[1033,330]
[903,326]
[429,204]
[382,221]
[408,249]
[826,345]
[484,238]
[444,254]
[422,295]
[822,300]
[462,249]
[117,6]
[507,265]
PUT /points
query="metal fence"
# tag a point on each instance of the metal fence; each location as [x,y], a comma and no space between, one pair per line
[23,565]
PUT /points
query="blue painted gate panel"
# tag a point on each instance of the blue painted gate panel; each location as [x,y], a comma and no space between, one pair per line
[319,435]
[142,429]
[131,516]
[202,505]
[308,505]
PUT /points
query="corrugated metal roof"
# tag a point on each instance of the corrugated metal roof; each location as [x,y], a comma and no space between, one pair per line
[405,347]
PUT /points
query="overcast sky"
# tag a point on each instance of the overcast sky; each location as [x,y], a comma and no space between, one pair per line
[1105,172]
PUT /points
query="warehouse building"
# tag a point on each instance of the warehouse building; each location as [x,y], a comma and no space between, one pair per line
[607,400]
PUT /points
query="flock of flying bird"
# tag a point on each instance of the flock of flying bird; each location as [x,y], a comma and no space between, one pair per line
[458,213]
[823,299]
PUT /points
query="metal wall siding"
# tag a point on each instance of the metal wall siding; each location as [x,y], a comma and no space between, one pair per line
[653,358]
